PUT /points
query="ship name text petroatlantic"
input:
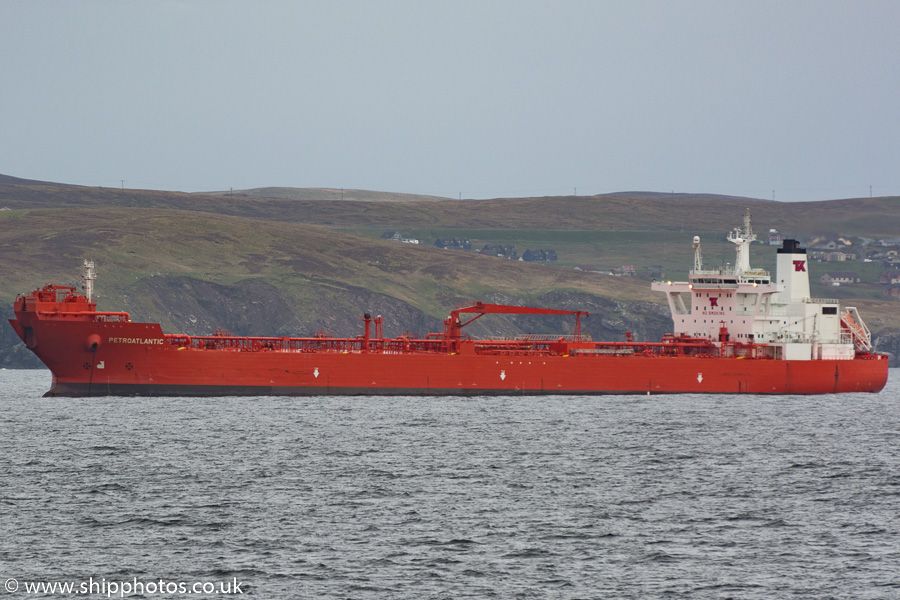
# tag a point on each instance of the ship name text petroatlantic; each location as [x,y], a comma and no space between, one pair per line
[125,340]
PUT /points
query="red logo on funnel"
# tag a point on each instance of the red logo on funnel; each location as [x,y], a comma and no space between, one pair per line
[800,265]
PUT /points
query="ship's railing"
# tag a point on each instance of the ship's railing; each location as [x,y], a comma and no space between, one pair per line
[276,344]
[716,286]
[698,347]
[109,317]
[99,317]
[794,337]
[437,344]
[543,337]
[513,348]
[729,272]
[604,351]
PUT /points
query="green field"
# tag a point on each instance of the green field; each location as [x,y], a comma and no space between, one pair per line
[605,249]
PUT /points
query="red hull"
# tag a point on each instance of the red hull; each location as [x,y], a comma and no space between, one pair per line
[89,356]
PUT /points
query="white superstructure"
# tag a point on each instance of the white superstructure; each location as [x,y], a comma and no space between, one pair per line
[747,305]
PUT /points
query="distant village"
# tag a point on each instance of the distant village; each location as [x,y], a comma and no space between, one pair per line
[821,249]
[839,248]
[535,255]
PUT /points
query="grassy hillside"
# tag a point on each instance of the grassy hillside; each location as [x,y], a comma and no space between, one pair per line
[327,195]
[134,243]
[878,217]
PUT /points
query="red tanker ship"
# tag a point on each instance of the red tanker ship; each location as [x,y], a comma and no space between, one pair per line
[736,330]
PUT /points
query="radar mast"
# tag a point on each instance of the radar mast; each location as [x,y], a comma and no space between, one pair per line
[698,254]
[88,278]
[742,239]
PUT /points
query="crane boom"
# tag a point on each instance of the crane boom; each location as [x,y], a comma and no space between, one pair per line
[453,325]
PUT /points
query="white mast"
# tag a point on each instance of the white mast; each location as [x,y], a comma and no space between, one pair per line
[742,239]
[88,278]
[698,254]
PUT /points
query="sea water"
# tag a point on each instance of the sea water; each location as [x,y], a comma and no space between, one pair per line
[693,496]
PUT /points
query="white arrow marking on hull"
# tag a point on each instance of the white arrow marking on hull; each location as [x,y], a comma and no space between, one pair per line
[100,365]
[699,377]
[502,375]
[316,372]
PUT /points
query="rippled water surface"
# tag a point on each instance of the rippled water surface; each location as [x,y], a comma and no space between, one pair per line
[521,497]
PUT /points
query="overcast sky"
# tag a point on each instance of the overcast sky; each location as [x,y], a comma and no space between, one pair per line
[480,99]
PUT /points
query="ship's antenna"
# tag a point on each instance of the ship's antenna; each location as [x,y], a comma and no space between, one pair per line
[698,254]
[88,277]
[742,240]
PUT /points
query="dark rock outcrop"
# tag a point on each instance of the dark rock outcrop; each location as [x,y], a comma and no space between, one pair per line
[887,341]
